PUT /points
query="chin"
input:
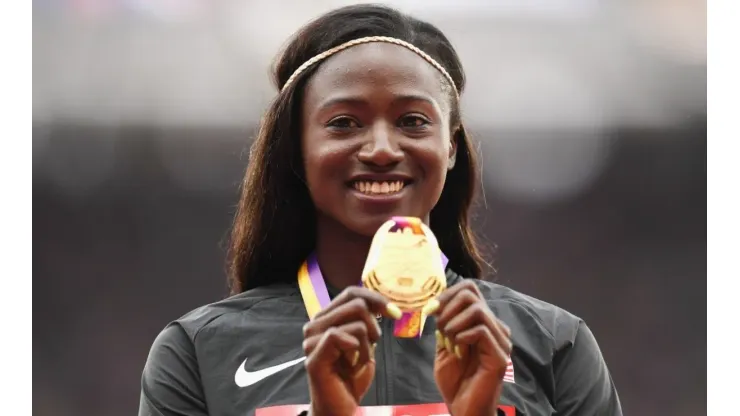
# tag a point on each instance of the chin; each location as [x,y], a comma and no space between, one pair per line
[369,225]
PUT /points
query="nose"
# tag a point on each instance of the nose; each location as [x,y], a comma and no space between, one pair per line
[380,148]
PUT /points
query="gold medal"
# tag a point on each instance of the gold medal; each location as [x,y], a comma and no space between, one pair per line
[405,266]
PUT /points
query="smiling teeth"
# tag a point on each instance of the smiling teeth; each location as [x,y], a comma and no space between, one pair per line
[379,188]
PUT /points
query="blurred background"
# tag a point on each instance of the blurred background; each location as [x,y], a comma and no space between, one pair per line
[591,116]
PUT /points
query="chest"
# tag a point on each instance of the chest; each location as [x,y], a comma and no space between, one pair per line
[262,365]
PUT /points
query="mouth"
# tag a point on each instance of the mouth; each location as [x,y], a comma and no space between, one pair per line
[379,187]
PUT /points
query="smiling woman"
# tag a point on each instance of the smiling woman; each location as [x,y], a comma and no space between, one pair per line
[366,128]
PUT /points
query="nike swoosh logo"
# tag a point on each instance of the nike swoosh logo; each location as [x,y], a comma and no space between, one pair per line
[244,378]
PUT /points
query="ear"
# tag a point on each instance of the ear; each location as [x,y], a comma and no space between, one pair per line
[452,154]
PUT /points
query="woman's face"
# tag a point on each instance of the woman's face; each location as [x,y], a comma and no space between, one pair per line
[376,136]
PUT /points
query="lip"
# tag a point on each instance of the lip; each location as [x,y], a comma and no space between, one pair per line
[380,177]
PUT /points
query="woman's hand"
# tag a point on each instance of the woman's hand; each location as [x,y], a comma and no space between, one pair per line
[473,348]
[340,348]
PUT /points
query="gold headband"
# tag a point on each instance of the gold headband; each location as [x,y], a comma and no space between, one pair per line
[320,57]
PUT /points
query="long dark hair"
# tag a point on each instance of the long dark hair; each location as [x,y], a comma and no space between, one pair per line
[275,226]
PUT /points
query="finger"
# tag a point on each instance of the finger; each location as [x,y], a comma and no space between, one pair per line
[354,310]
[474,318]
[502,333]
[330,347]
[363,353]
[348,342]
[452,291]
[309,344]
[475,314]
[445,343]
[354,356]
[454,306]
[440,341]
[481,338]
[375,302]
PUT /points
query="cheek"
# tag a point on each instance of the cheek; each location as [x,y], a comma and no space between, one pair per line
[325,163]
[434,163]
[434,159]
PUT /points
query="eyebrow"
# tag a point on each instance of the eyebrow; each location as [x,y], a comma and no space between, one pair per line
[358,101]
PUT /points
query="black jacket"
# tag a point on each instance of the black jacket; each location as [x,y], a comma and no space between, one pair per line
[244,353]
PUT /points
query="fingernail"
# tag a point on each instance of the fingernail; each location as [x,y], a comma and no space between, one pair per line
[440,338]
[458,352]
[355,358]
[448,345]
[394,311]
[430,307]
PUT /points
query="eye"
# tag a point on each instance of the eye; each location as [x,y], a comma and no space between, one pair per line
[343,122]
[413,121]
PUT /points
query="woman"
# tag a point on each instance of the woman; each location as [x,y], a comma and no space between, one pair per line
[366,126]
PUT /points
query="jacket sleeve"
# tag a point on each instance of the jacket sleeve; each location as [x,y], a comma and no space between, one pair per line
[170,383]
[583,385]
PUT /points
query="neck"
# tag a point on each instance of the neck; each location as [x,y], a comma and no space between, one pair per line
[341,253]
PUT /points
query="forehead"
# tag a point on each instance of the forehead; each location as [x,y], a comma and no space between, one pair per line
[376,66]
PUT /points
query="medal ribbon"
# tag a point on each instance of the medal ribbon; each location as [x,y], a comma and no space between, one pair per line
[313,287]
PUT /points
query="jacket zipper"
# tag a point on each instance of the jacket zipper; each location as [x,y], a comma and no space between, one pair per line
[383,388]
[380,364]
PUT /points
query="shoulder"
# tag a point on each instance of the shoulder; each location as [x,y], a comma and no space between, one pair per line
[246,303]
[175,346]
[173,356]
[549,337]
[183,331]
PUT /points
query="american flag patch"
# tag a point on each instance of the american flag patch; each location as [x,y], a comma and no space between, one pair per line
[509,375]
